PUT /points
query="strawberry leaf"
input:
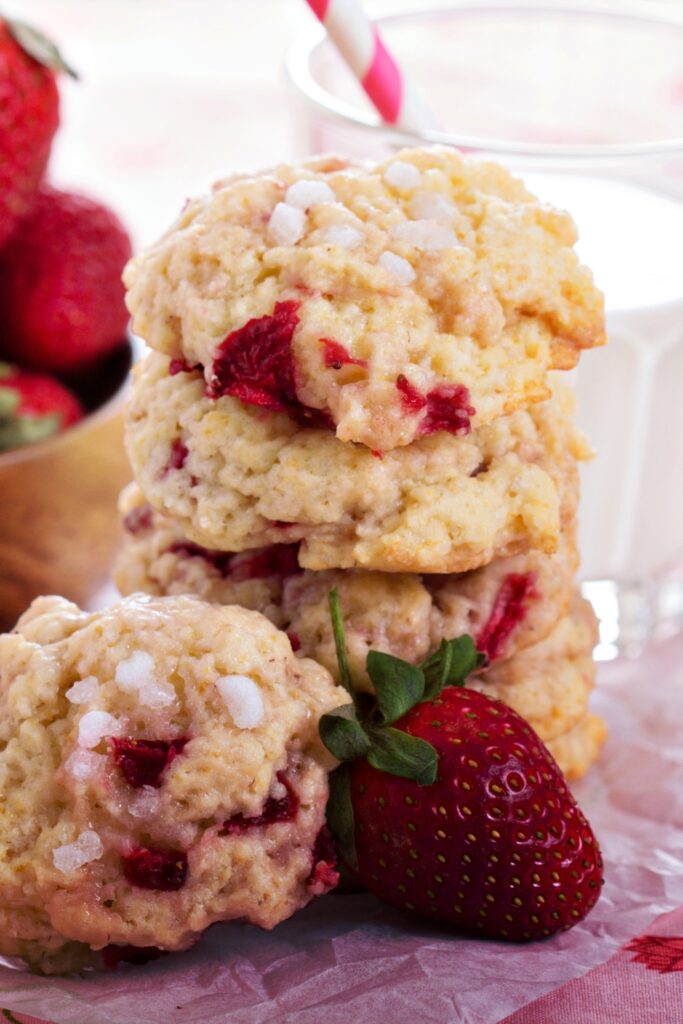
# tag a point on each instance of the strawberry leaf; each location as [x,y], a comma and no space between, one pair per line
[398,685]
[450,664]
[399,753]
[340,815]
[38,46]
[340,640]
[343,735]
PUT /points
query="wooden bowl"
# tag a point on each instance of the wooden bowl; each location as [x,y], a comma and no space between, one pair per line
[58,523]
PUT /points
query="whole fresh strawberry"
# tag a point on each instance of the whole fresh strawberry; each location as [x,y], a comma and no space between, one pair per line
[450,806]
[33,407]
[61,295]
[29,115]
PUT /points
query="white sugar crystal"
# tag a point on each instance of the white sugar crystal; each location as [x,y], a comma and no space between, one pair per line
[137,675]
[425,234]
[397,267]
[342,235]
[88,847]
[135,670]
[243,698]
[402,175]
[278,790]
[94,726]
[145,803]
[432,206]
[156,695]
[83,691]
[304,194]
[287,224]
[84,765]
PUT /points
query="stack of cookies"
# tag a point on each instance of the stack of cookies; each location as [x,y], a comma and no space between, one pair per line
[351,386]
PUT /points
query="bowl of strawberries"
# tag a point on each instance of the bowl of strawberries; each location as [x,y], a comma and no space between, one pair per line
[65,353]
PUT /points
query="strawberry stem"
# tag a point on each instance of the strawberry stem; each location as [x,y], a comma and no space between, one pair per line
[340,640]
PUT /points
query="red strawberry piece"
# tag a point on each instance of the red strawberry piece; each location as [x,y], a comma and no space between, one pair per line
[294,640]
[113,955]
[177,366]
[33,407]
[255,364]
[449,409]
[509,609]
[336,355]
[446,407]
[143,762]
[155,868]
[29,115]
[61,295]
[220,560]
[412,399]
[273,560]
[496,844]
[138,519]
[177,456]
[324,874]
[274,810]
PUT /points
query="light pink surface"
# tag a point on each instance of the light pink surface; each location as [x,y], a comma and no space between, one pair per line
[348,958]
[641,983]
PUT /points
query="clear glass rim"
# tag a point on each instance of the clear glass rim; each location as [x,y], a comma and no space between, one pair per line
[300,77]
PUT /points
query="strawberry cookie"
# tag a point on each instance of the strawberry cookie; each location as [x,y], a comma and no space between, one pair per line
[428,294]
[160,770]
[156,558]
[507,605]
[236,478]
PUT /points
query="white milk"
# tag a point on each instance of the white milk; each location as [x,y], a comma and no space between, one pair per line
[630,393]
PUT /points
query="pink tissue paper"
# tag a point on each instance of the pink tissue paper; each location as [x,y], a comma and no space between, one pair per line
[349,958]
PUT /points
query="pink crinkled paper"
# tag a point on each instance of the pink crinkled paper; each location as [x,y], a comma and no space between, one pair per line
[348,958]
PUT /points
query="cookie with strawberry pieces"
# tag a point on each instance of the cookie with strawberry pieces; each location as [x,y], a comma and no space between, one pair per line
[449,806]
[160,770]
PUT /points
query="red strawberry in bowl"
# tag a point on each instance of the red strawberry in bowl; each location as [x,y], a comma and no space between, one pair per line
[61,294]
[29,115]
[33,407]
[448,804]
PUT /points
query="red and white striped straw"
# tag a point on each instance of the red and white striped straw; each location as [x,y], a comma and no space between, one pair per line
[362,48]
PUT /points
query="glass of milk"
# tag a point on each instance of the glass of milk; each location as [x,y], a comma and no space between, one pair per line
[585,102]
